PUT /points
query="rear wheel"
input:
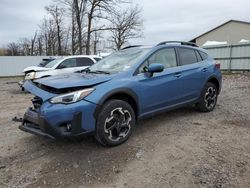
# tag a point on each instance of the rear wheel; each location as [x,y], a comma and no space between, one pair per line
[115,123]
[208,98]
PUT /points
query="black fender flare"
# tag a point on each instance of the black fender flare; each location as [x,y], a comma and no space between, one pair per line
[111,93]
[207,80]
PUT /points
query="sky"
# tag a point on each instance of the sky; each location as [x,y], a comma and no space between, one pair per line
[163,19]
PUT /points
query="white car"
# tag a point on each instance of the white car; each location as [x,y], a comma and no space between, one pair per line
[58,66]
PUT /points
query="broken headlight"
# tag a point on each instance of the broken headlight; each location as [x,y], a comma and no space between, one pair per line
[30,75]
[72,97]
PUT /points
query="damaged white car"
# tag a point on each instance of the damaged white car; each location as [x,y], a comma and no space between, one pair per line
[58,66]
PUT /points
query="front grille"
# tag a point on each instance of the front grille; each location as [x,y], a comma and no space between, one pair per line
[37,102]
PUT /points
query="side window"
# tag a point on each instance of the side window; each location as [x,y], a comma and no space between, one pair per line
[187,56]
[166,56]
[198,56]
[68,63]
[203,55]
[84,61]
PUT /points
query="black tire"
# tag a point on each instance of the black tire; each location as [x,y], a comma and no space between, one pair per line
[208,99]
[115,123]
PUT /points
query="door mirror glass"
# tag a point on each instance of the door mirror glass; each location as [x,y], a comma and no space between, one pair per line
[155,67]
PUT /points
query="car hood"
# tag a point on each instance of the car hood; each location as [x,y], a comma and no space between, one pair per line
[74,80]
[36,69]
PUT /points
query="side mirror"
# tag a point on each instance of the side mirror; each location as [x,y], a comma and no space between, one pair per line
[153,68]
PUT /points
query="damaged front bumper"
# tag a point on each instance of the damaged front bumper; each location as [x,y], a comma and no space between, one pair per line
[57,120]
[37,124]
[20,83]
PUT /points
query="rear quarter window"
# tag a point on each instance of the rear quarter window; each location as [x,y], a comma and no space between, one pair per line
[187,56]
[204,56]
[198,56]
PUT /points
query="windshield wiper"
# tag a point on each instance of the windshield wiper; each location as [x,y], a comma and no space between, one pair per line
[87,70]
[99,72]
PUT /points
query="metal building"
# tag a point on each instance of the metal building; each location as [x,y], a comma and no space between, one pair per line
[232,32]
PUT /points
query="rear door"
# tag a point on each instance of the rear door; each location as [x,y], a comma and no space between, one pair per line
[163,89]
[192,71]
[83,62]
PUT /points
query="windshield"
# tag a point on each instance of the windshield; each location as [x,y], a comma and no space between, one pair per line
[52,63]
[119,61]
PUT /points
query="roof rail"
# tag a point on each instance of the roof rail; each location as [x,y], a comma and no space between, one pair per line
[132,46]
[181,42]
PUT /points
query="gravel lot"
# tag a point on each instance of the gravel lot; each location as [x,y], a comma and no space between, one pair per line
[182,148]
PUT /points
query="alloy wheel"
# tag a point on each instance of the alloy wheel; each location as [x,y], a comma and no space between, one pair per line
[117,125]
[210,97]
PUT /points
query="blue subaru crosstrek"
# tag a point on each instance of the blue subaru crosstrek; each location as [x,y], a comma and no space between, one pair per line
[108,98]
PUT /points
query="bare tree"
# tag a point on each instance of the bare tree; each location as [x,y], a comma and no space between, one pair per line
[49,34]
[96,40]
[73,33]
[75,27]
[13,49]
[27,46]
[24,47]
[79,8]
[57,16]
[98,9]
[126,25]
[75,11]
[40,45]
[83,13]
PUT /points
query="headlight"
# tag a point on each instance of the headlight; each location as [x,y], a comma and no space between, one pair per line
[71,97]
[30,75]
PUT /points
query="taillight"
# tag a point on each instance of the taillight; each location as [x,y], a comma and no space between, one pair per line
[217,65]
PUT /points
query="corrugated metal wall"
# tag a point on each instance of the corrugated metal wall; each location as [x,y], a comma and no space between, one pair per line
[233,57]
[14,65]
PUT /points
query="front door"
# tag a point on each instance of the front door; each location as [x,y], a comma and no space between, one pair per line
[163,89]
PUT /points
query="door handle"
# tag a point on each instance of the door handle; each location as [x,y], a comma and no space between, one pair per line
[204,69]
[177,75]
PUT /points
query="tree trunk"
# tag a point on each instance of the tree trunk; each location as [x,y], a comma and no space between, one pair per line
[32,44]
[40,46]
[73,34]
[90,17]
[79,24]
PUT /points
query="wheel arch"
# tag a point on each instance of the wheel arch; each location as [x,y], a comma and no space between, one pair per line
[215,81]
[124,94]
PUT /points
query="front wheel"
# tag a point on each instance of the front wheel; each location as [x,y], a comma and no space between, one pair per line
[208,98]
[115,123]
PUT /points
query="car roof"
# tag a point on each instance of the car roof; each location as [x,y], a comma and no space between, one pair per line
[169,44]
[165,43]
[79,56]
